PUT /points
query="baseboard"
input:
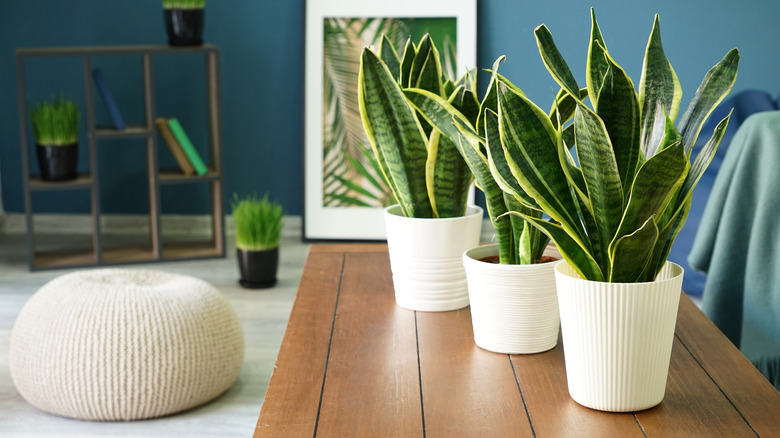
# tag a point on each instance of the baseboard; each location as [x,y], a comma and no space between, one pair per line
[172,225]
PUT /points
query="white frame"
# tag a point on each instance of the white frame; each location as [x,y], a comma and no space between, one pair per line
[359,223]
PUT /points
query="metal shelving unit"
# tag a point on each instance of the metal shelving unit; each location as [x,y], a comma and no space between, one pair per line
[101,253]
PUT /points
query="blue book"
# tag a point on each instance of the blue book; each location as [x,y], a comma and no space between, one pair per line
[108,99]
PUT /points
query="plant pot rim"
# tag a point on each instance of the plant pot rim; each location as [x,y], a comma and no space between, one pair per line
[471,210]
[256,250]
[50,145]
[491,249]
[680,271]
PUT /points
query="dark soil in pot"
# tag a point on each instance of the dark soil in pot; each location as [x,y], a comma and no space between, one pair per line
[494,259]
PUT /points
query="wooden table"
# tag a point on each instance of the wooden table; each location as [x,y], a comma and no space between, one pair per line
[352,363]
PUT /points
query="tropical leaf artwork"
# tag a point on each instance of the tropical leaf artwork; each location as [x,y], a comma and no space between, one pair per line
[351,175]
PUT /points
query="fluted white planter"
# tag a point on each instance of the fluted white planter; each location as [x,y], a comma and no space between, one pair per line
[425,258]
[617,338]
[514,308]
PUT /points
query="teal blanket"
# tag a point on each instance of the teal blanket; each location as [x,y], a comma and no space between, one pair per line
[738,242]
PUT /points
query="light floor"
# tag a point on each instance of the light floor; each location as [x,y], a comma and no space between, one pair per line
[263,314]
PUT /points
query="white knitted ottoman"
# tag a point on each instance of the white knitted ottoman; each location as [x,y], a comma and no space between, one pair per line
[120,344]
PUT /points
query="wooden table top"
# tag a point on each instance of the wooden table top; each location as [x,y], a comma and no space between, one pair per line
[352,363]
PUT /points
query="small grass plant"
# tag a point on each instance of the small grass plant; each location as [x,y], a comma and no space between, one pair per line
[55,122]
[258,222]
[184,4]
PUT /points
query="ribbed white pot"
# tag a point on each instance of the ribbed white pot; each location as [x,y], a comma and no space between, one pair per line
[617,338]
[425,258]
[514,308]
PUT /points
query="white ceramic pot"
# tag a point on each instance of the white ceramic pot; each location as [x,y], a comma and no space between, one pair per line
[617,338]
[425,258]
[514,308]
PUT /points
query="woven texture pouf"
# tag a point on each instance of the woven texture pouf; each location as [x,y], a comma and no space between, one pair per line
[121,344]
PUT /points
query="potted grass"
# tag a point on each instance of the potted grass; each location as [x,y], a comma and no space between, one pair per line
[258,229]
[55,127]
[511,284]
[184,20]
[431,226]
[616,210]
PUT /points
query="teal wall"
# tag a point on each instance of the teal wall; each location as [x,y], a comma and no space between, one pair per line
[262,69]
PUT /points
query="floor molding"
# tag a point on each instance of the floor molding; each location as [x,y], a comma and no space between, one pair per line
[172,225]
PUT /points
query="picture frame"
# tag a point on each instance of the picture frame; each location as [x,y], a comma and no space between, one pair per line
[343,193]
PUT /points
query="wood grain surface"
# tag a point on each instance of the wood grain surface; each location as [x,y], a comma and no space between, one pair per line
[353,363]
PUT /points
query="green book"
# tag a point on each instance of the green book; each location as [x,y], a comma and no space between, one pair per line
[186,145]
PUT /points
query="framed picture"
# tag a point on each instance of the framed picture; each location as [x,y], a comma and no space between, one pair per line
[345,193]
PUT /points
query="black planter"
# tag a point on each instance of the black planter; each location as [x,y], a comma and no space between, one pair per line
[184,26]
[58,163]
[257,268]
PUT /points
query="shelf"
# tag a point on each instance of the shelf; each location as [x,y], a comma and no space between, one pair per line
[191,250]
[107,250]
[83,181]
[130,254]
[30,52]
[176,177]
[107,133]
[70,258]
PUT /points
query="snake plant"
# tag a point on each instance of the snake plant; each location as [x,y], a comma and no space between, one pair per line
[424,168]
[617,209]
[475,127]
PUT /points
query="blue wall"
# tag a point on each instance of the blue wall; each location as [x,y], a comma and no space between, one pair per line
[262,69]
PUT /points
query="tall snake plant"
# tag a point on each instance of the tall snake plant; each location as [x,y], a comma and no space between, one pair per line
[423,167]
[616,210]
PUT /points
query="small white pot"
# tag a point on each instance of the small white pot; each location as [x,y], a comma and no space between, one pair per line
[425,258]
[617,338]
[514,308]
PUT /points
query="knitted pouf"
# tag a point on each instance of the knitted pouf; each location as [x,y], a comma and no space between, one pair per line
[120,344]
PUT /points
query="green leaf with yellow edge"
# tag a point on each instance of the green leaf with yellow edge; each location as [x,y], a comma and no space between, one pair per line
[564,106]
[447,177]
[656,182]
[632,253]
[554,61]
[659,92]
[575,254]
[395,135]
[500,168]
[407,59]
[599,169]
[597,64]
[426,68]
[531,151]
[619,110]
[713,89]
[390,57]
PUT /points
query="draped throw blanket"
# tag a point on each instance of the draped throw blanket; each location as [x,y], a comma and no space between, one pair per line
[738,242]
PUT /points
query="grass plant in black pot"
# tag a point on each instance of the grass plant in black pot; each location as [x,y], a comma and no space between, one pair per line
[258,229]
[184,21]
[56,129]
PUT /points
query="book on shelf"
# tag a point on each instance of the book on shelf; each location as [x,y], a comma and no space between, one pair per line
[174,146]
[187,147]
[108,99]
